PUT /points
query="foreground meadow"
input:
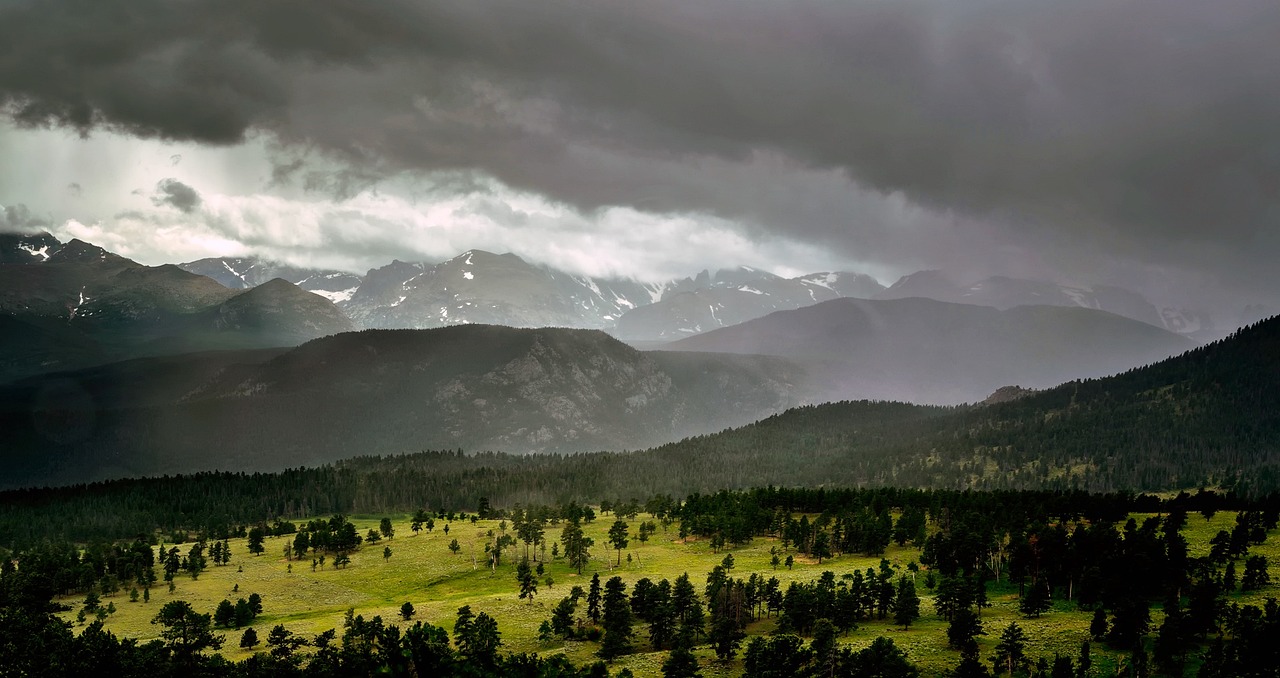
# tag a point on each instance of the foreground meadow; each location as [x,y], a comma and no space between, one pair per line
[422,570]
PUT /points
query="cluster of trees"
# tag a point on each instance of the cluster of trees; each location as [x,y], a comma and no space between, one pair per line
[38,643]
[238,614]
[674,616]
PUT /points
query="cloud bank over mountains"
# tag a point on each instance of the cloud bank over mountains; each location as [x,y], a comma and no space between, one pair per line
[1132,143]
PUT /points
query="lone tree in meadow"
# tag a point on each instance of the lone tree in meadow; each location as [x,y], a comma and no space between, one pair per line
[1010,653]
[406,611]
[386,529]
[576,545]
[256,535]
[618,537]
[454,547]
[527,579]
[906,605]
[249,640]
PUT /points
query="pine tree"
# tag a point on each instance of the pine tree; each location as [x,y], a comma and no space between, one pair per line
[964,628]
[618,537]
[1036,601]
[617,620]
[593,599]
[681,663]
[1098,627]
[906,606]
[527,580]
[250,639]
[1010,652]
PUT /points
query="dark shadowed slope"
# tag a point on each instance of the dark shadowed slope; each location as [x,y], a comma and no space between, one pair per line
[385,391]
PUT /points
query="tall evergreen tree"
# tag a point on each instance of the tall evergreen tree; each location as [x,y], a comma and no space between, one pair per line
[617,620]
[906,606]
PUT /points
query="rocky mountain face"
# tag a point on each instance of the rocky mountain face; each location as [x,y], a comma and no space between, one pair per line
[478,287]
[247,272]
[925,351]
[380,392]
[734,296]
[1004,292]
[70,305]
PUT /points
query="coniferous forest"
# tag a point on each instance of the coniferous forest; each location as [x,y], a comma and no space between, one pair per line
[1079,549]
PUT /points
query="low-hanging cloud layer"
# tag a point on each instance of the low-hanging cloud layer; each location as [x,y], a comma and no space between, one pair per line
[1129,141]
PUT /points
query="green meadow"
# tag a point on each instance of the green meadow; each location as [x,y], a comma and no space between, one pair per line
[422,570]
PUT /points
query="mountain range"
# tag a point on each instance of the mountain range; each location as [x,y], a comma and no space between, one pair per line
[378,392]
[481,287]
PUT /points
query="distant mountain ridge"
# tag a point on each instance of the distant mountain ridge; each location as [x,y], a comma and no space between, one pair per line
[1004,292]
[486,288]
[479,287]
[733,296]
[925,351]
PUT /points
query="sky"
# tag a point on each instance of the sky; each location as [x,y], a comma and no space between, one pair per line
[1130,142]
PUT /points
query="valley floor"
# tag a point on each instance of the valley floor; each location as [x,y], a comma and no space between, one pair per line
[421,570]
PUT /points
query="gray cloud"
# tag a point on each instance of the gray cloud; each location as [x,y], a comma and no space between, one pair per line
[176,194]
[923,131]
[19,219]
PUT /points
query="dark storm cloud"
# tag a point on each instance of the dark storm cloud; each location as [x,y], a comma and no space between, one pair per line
[176,194]
[1146,128]
[19,219]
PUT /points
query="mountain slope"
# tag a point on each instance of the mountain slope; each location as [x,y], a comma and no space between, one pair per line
[1210,416]
[920,350]
[83,305]
[385,391]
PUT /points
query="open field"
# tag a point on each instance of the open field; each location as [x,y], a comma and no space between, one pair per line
[421,570]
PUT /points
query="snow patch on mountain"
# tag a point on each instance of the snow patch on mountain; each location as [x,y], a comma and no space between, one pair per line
[337,296]
[42,252]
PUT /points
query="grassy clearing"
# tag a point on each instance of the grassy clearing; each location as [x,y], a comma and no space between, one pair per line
[422,570]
